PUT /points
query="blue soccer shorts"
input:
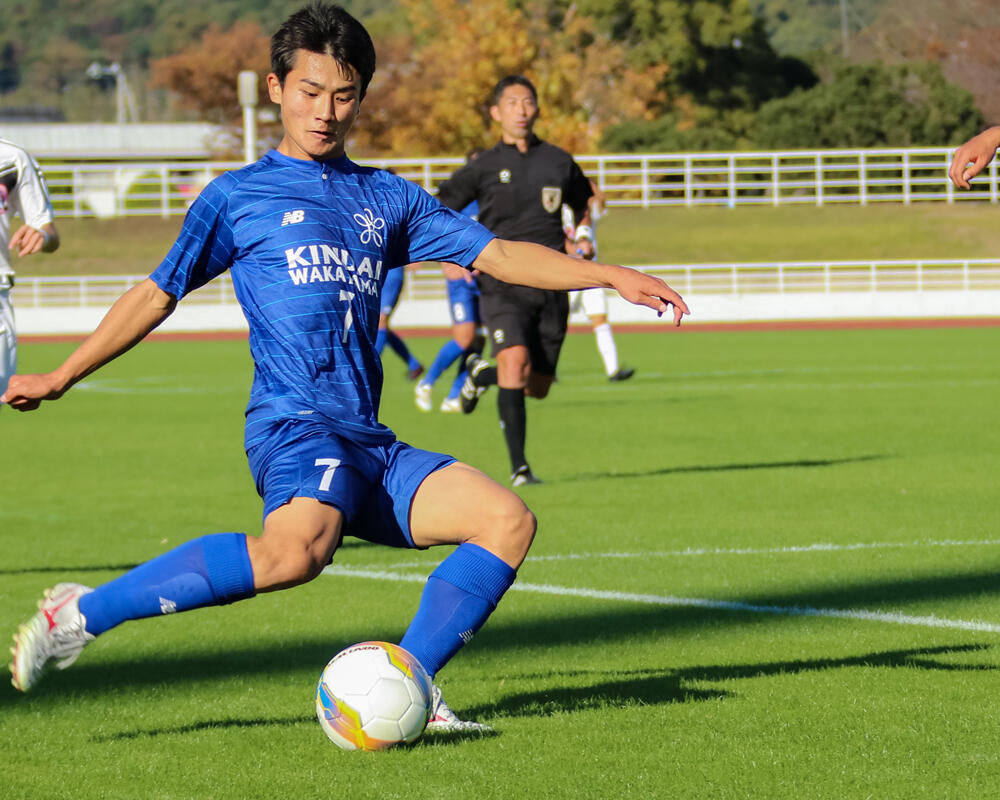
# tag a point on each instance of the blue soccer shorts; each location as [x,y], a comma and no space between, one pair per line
[391,290]
[372,485]
[463,301]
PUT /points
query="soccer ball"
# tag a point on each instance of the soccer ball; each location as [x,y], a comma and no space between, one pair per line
[373,695]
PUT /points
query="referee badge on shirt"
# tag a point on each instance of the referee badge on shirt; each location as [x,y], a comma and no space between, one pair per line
[551,198]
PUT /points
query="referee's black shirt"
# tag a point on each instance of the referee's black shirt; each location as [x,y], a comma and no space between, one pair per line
[520,195]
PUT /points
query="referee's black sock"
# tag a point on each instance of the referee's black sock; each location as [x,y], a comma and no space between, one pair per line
[513,421]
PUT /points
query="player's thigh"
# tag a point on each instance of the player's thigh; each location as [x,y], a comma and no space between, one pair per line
[510,315]
[549,334]
[385,513]
[594,302]
[464,333]
[461,504]
[299,539]
[303,458]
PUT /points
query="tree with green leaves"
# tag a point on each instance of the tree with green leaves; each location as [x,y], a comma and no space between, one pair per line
[871,105]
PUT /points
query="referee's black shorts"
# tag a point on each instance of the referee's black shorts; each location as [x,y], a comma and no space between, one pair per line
[533,318]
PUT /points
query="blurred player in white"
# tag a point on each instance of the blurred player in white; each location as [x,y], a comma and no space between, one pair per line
[22,192]
[594,302]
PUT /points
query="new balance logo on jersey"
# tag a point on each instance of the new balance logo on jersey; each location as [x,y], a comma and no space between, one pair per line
[291,217]
[167,606]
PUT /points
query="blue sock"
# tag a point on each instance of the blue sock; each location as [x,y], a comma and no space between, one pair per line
[459,596]
[456,385]
[212,570]
[380,338]
[446,356]
[400,349]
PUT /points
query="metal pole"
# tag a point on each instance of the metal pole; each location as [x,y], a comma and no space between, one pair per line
[843,28]
[246,85]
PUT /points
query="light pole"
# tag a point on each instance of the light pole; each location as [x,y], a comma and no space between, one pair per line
[843,28]
[246,86]
[124,100]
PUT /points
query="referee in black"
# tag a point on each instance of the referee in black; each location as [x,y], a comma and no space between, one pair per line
[520,185]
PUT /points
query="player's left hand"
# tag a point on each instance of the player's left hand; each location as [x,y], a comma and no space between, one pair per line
[26,392]
[27,240]
[973,157]
[648,290]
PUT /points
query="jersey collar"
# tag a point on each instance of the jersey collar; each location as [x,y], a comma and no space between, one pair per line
[533,142]
[339,164]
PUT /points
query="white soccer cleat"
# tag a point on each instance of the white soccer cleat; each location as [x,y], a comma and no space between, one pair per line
[443,719]
[55,633]
[422,396]
[452,405]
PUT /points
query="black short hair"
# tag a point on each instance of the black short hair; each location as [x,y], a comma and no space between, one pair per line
[328,29]
[513,80]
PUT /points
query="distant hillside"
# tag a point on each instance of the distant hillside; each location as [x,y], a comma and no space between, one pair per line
[801,27]
[47,45]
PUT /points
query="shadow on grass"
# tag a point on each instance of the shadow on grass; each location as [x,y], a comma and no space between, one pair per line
[591,623]
[68,571]
[805,463]
[645,687]
[431,739]
[207,725]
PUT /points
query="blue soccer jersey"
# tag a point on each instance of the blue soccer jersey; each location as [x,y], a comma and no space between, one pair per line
[308,245]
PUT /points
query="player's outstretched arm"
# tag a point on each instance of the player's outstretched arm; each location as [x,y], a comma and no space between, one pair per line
[534,265]
[974,156]
[129,320]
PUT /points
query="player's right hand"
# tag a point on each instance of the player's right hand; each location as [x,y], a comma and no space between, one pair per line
[26,392]
[973,157]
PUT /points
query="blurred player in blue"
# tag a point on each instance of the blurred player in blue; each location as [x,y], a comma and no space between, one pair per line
[308,237]
[467,336]
[391,291]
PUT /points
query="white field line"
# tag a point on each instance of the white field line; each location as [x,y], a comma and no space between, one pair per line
[777,386]
[819,547]
[891,618]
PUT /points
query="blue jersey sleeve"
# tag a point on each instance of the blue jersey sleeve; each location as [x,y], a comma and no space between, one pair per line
[436,233]
[204,248]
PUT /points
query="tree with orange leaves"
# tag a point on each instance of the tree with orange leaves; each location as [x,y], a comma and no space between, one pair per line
[430,93]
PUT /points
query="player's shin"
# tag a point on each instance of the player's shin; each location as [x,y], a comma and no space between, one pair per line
[458,598]
[212,570]
[513,420]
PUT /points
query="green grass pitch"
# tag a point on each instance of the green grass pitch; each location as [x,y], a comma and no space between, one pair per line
[766,567]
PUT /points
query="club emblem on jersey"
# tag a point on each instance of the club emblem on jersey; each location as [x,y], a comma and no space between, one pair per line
[551,198]
[505,176]
[371,226]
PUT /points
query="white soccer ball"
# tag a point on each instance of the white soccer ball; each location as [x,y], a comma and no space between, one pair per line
[373,695]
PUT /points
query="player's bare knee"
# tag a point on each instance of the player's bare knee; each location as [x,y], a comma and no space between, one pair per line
[509,530]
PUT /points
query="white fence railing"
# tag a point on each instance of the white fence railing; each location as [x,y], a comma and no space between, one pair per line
[817,177]
[824,277]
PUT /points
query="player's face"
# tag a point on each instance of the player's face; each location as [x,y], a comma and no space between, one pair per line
[319,102]
[516,111]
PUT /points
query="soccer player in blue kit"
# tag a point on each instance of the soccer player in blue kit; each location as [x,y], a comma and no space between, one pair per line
[391,290]
[308,237]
